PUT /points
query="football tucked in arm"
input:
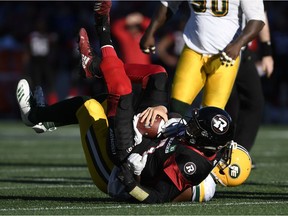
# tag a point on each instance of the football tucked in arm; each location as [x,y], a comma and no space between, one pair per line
[151,131]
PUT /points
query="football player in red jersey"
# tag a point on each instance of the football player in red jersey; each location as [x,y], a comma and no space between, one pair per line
[180,158]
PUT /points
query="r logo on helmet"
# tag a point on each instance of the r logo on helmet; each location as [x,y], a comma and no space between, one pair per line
[220,124]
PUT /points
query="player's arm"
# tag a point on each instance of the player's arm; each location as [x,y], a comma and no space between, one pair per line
[255,16]
[266,49]
[186,195]
[163,191]
[160,16]
[250,31]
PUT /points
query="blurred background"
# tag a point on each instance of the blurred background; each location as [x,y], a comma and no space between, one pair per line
[38,41]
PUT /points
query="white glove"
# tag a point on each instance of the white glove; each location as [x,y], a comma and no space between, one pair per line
[137,162]
[138,135]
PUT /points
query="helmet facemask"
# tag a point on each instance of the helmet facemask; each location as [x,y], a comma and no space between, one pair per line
[227,155]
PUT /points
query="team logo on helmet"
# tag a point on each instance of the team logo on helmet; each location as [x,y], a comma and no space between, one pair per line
[189,168]
[234,171]
[219,124]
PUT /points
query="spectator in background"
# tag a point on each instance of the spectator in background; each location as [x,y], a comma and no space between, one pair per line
[128,32]
[11,63]
[39,58]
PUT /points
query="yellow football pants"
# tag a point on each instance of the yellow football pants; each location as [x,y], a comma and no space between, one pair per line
[196,71]
[94,129]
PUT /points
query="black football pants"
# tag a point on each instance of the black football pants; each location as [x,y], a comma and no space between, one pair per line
[246,102]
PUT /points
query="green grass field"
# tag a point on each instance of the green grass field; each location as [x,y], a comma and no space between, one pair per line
[47,175]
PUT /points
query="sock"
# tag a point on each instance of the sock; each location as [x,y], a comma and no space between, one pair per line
[103,30]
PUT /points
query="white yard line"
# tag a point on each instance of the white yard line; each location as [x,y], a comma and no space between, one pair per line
[141,206]
[49,186]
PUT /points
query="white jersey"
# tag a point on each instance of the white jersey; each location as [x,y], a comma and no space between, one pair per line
[213,24]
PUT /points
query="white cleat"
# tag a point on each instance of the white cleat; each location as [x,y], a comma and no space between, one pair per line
[44,127]
[23,95]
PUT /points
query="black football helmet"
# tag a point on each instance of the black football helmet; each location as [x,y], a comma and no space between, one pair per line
[210,128]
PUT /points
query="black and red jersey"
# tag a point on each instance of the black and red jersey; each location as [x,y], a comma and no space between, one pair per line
[173,166]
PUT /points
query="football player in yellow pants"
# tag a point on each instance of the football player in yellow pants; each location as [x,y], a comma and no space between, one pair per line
[213,39]
[195,71]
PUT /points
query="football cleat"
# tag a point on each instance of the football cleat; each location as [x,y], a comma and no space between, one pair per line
[44,127]
[23,95]
[90,62]
[39,98]
[85,51]
[234,167]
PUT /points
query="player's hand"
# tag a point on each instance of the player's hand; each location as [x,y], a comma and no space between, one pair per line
[126,177]
[147,44]
[268,65]
[149,115]
[229,54]
[137,162]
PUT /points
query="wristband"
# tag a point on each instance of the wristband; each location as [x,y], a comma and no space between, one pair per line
[266,49]
[138,193]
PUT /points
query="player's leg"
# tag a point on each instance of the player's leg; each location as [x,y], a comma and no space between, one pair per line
[120,99]
[153,79]
[220,81]
[93,125]
[61,113]
[251,100]
[233,104]
[188,81]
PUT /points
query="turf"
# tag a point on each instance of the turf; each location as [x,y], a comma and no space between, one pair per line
[47,175]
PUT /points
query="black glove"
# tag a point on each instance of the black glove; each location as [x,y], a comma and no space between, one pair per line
[131,186]
[126,177]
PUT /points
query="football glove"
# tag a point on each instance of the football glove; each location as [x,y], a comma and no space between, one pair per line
[137,162]
[138,135]
[126,177]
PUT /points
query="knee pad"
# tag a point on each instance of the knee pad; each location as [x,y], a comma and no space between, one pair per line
[115,76]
